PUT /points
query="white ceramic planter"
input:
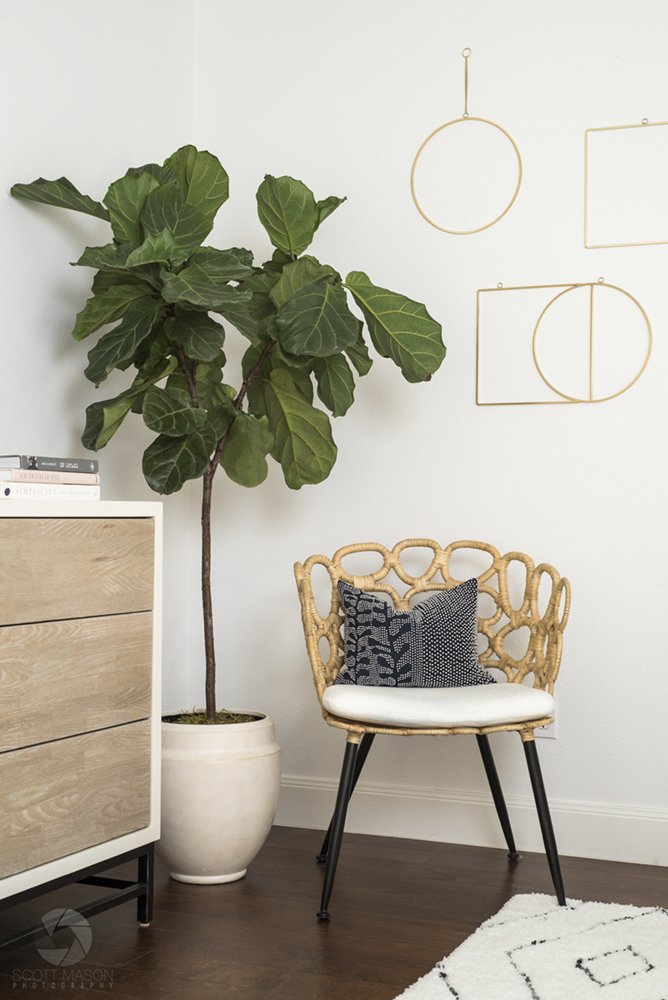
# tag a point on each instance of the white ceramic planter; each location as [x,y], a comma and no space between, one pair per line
[220,788]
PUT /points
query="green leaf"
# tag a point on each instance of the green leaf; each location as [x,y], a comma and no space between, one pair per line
[247,317]
[159,172]
[316,321]
[234,264]
[219,418]
[109,256]
[279,259]
[104,280]
[194,285]
[125,200]
[241,319]
[147,347]
[209,372]
[171,412]
[325,207]
[294,360]
[156,350]
[201,177]
[400,328]
[107,307]
[288,212]
[208,377]
[170,462]
[61,193]
[243,457]
[200,336]
[303,441]
[166,209]
[119,345]
[251,358]
[301,379]
[359,354]
[336,385]
[260,285]
[155,249]
[103,418]
[161,209]
[302,272]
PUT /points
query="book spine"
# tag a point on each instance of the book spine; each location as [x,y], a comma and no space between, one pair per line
[43,476]
[59,464]
[47,491]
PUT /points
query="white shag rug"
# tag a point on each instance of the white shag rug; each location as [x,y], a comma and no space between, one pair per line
[533,949]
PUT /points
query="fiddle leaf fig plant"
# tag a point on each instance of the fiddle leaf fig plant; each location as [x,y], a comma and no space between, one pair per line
[166,294]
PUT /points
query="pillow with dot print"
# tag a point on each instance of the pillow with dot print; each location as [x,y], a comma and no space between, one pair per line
[432,645]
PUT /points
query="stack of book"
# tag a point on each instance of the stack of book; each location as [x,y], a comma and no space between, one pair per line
[34,477]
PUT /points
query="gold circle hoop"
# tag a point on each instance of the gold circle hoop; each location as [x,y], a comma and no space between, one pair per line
[465,232]
[592,285]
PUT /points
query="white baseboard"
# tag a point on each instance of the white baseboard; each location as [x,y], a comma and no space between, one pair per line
[610,832]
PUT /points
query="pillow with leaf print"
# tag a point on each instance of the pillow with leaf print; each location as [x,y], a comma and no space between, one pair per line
[432,645]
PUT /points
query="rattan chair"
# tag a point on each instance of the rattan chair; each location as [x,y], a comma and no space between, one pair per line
[449,711]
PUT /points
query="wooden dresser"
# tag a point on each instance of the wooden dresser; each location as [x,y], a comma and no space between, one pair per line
[80,589]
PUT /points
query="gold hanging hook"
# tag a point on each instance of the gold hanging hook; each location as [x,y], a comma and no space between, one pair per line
[466,53]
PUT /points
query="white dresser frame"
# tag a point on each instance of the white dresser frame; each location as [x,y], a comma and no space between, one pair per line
[93,857]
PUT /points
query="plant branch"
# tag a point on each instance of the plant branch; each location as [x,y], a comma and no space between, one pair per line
[207,489]
[237,403]
[188,374]
[253,373]
[207,604]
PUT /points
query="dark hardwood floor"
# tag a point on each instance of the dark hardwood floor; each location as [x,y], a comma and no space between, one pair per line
[398,907]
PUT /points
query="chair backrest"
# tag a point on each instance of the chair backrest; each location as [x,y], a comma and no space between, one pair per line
[545,639]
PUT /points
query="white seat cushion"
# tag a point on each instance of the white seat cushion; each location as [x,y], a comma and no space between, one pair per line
[438,708]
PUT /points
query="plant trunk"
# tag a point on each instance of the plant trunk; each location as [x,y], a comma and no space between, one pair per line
[207,606]
[207,486]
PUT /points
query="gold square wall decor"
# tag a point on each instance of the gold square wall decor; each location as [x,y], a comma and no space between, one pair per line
[626,195]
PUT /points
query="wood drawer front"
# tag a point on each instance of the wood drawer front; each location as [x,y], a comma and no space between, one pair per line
[53,568]
[62,797]
[61,678]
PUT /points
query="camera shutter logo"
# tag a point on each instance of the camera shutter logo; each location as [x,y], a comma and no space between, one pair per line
[81,937]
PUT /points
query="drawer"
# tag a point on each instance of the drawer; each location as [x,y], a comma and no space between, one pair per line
[75,567]
[62,678]
[61,797]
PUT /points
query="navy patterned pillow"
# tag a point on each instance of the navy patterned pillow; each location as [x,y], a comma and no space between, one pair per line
[433,645]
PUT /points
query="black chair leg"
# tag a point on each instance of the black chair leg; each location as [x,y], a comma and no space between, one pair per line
[362,754]
[338,823]
[545,819]
[497,794]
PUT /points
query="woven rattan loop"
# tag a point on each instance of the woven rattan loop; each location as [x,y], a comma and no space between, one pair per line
[543,654]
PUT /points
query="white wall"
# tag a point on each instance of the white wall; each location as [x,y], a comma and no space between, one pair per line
[83,95]
[342,97]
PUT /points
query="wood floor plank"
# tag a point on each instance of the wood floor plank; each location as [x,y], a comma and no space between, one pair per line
[259,939]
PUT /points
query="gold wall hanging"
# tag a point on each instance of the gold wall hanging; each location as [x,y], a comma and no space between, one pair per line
[625,178]
[459,121]
[520,359]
